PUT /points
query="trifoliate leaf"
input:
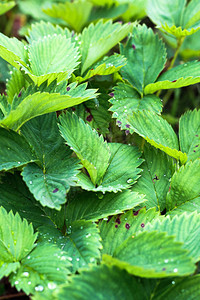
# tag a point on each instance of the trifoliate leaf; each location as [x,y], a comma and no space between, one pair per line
[143,62]
[158,132]
[98,39]
[92,207]
[179,76]
[48,182]
[14,150]
[15,195]
[43,103]
[102,282]
[87,144]
[45,267]
[184,185]
[75,14]
[155,180]
[145,255]
[184,227]
[189,134]
[81,242]
[116,230]
[126,100]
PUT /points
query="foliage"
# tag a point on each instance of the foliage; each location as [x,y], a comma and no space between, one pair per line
[100,149]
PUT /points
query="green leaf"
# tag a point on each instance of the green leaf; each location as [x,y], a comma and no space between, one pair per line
[48,61]
[98,39]
[42,103]
[158,132]
[15,84]
[179,76]
[106,66]
[136,10]
[155,180]
[7,268]
[189,134]
[186,288]
[118,229]
[4,7]
[145,256]
[75,14]
[178,32]
[92,207]
[102,282]
[81,243]
[41,29]
[95,112]
[190,206]
[192,14]
[108,12]
[45,267]
[184,185]
[126,100]
[15,195]
[13,51]
[184,227]
[143,62]
[14,150]
[48,182]
[16,238]
[87,144]
[122,171]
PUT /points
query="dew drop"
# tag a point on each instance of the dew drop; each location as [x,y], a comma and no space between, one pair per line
[26,274]
[52,285]
[16,282]
[166,261]
[39,288]
[19,162]
[88,235]
[31,182]
[78,259]
[175,270]
[130,180]
[173,282]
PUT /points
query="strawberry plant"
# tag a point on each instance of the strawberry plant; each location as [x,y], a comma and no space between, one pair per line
[100,149]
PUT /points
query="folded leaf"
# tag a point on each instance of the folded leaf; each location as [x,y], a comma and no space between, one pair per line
[184,227]
[121,173]
[75,14]
[44,268]
[81,243]
[87,144]
[14,150]
[88,206]
[145,256]
[184,185]
[98,39]
[102,282]
[126,100]
[43,103]
[155,180]
[189,134]
[143,62]
[16,239]
[48,182]
[179,76]
[157,132]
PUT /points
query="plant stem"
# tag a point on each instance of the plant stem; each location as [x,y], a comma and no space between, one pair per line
[179,44]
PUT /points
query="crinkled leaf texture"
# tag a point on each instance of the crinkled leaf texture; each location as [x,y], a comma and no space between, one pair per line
[158,169]
[104,162]
[158,132]
[189,134]
[98,39]
[185,185]
[143,62]
[145,255]
[184,227]
[16,241]
[4,7]
[102,282]
[40,103]
[179,76]
[14,150]
[81,243]
[126,100]
[44,268]
[48,181]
